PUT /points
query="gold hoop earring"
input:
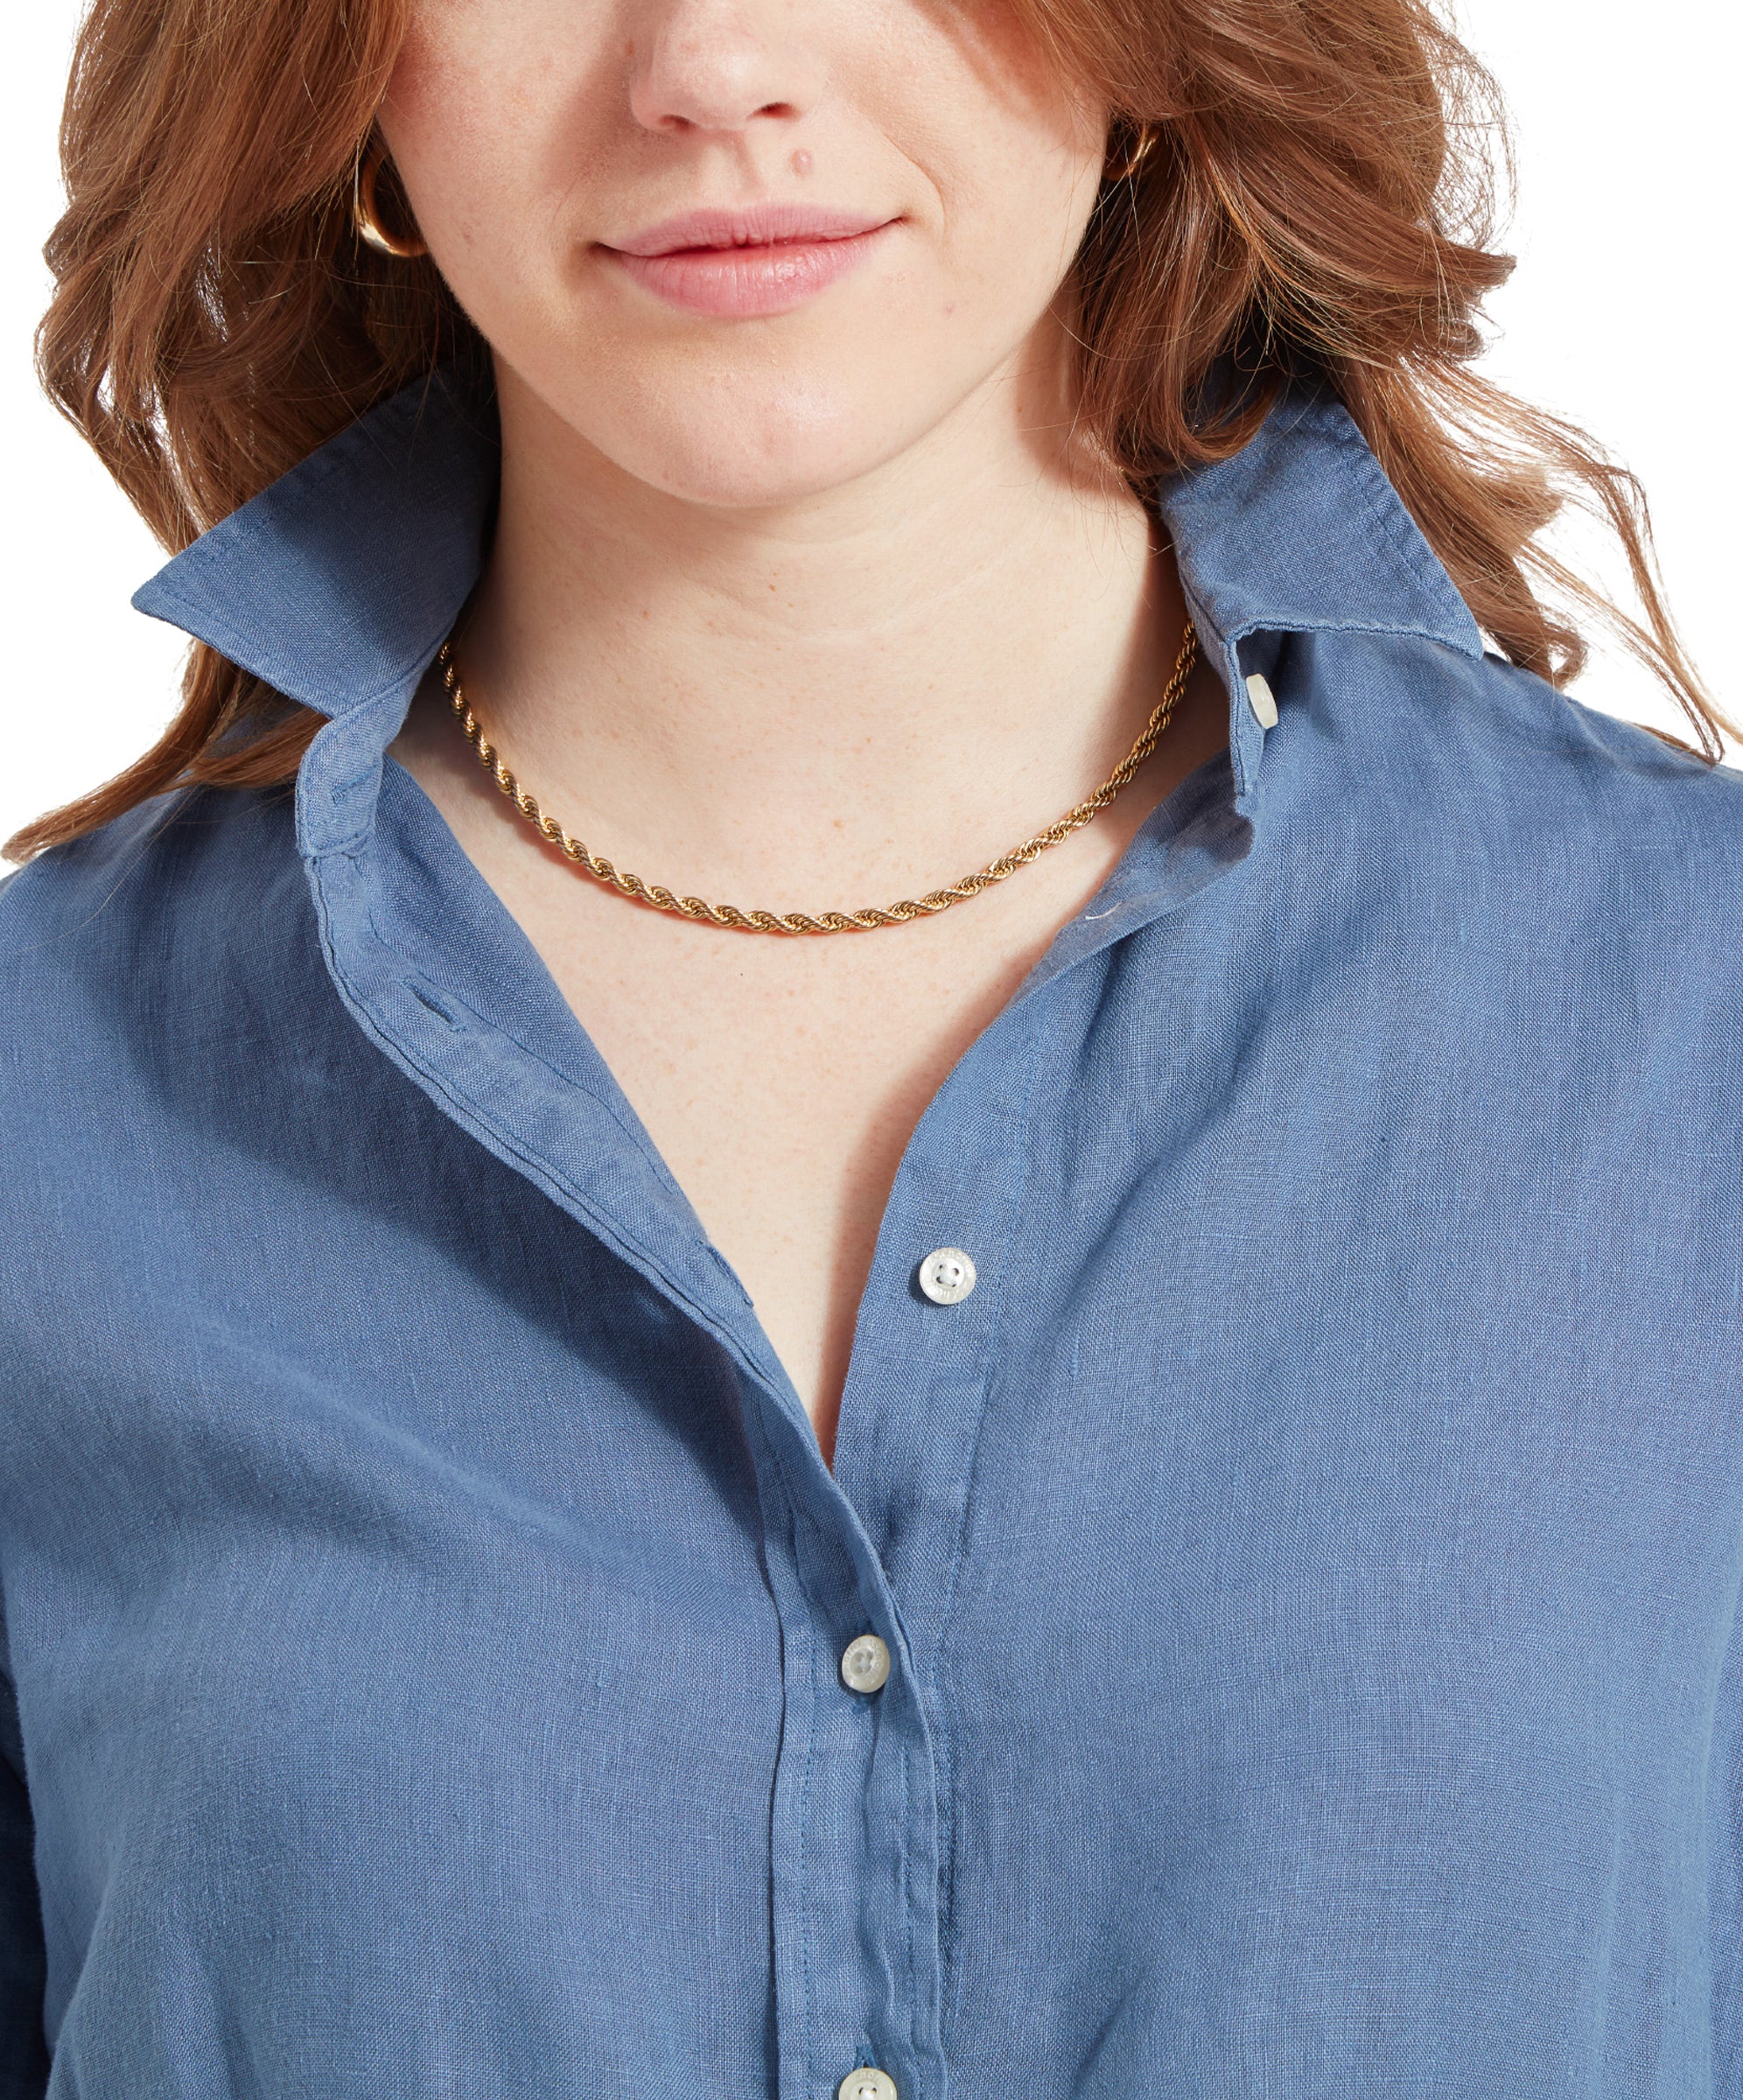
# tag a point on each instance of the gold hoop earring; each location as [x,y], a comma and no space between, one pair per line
[1142,145]
[366,216]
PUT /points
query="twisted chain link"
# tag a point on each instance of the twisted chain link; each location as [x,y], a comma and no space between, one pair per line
[729,916]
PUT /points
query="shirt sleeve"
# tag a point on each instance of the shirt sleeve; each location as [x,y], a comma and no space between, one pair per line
[24,2050]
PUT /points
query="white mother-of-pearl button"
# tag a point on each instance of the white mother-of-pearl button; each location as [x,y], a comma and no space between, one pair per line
[867,2085]
[947,1276]
[866,1664]
[1262,701]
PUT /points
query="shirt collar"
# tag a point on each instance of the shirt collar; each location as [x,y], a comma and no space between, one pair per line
[337,583]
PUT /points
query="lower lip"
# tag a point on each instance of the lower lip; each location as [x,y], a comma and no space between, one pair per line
[744,282]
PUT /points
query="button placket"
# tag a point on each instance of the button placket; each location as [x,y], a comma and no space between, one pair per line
[903,1465]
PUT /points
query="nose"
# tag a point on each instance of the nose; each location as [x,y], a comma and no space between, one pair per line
[719,65]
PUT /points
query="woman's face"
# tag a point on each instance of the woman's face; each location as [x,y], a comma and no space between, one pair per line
[749,249]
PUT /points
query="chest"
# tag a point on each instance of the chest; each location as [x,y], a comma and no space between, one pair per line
[781,1082]
[781,1079]
[1331,1486]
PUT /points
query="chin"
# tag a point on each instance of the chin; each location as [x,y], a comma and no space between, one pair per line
[743,479]
[744,458]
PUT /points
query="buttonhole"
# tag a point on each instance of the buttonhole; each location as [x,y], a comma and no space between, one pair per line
[731,1274]
[436,1007]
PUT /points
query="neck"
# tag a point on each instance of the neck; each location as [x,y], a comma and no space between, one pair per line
[857,688]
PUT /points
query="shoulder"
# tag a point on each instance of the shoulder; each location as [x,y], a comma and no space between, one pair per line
[1492,770]
[1642,831]
[144,929]
[187,868]
[1553,888]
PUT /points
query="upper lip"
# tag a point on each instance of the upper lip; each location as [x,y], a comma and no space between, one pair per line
[755,226]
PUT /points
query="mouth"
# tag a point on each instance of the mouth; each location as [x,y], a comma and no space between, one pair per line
[766,259]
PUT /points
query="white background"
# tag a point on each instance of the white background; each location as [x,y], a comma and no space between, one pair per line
[1622,316]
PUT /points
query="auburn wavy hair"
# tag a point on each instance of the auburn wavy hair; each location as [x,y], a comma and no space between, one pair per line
[1319,206]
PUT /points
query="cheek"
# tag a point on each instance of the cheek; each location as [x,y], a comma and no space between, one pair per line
[1012,163]
[462,119]
[1012,218]
[433,83]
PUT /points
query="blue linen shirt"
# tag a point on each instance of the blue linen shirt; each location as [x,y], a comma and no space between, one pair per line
[1309,1558]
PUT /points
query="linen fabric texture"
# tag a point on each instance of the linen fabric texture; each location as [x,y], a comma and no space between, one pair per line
[1308,1559]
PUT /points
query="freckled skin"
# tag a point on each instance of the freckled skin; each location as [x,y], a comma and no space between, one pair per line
[527,131]
[806,611]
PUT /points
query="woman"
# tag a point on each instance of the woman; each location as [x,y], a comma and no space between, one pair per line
[1119,1478]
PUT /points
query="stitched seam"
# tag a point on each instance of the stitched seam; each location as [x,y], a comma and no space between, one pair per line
[538,1170]
[803,1516]
[795,1516]
[354,842]
[945,1866]
[607,1107]
[1397,532]
[905,1890]
[306,481]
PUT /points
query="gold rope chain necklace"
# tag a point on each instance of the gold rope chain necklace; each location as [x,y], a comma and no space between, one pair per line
[663,900]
